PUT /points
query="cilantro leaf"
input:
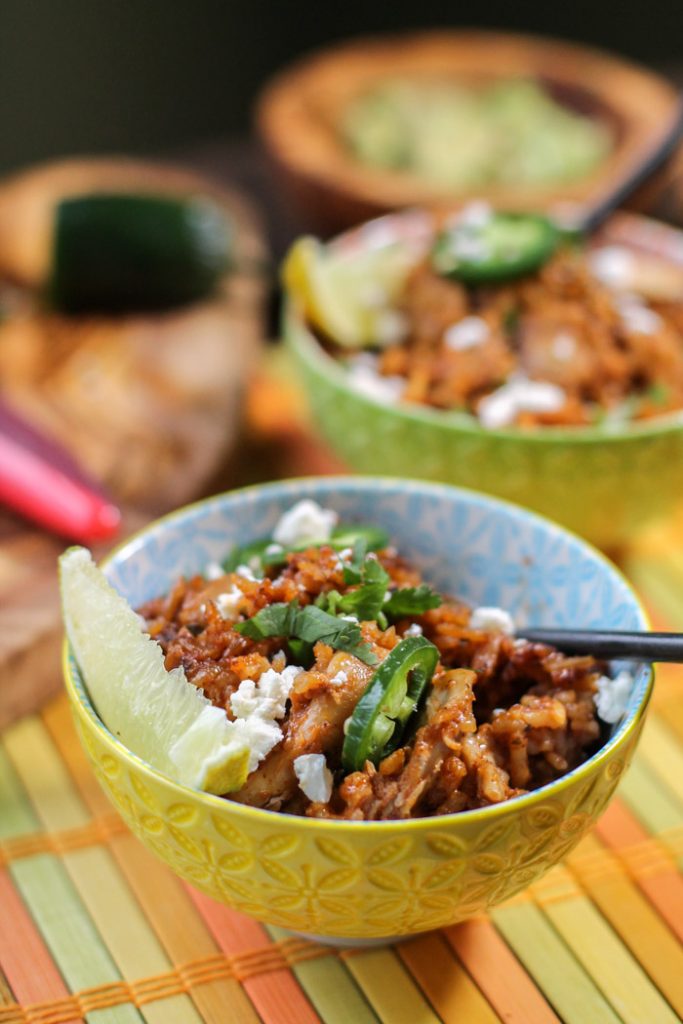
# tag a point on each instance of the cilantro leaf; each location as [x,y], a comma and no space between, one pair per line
[308,624]
[366,601]
[411,601]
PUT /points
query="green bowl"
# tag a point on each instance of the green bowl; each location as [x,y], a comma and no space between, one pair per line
[603,484]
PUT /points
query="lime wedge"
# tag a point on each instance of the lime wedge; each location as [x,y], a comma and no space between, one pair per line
[346,295]
[157,714]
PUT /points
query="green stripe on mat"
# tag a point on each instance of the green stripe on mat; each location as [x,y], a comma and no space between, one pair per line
[56,908]
[574,996]
[600,951]
[650,802]
[389,988]
[331,989]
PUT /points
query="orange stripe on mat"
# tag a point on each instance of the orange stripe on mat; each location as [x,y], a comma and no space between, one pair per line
[276,994]
[499,974]
[618,828]
[26,962]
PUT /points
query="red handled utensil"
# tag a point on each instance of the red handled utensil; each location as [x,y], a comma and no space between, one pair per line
[41,481]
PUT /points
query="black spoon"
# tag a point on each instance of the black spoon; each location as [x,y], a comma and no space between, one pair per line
[587,221]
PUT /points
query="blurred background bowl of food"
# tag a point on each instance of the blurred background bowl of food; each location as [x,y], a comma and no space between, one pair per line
[360,880]
[431,119]
[599,471]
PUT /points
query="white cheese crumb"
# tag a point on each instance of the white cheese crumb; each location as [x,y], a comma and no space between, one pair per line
[469,332]
[613,265]
[365,378]
[246,572]
[350,618]
[340,678]
[475,214]
[519,394]
[315,778]
[564,346]
[257,706]
[273,550]
[229,602]
[490,618]
[214,571]
[304,523]
[612,696]
[415,629]
[638,317]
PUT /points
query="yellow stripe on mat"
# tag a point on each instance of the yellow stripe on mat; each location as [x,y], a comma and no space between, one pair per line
[388,987]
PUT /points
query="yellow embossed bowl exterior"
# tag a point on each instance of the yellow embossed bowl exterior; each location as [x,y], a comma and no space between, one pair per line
[356,880]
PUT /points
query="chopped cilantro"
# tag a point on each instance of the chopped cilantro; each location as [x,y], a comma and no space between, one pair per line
[309,624]
[411,601]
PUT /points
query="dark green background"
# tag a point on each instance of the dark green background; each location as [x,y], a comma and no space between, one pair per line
[163,75]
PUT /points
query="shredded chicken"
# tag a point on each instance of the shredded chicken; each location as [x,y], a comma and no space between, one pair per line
[502,716]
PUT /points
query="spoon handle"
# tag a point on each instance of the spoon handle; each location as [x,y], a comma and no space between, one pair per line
[609,644]
[590,220]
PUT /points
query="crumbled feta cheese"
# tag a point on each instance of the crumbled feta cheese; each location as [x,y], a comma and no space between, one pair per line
[214,571]
[257,706]
[345,554]
[638,317]
[613,265]
[246,572]
[365,378]
[612,696]
[519,394]
[490,618]
[475,214]
[564,346]
[340,678]
[415,629]
[228,604]
[273,550]
[390,327]
[315,778]
[349,618]
[469,332]
[306,522]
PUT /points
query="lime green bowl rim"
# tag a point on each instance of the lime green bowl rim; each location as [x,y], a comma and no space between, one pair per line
[81,703]
[299,335]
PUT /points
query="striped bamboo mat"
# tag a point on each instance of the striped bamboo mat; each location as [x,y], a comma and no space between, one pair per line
[93,928]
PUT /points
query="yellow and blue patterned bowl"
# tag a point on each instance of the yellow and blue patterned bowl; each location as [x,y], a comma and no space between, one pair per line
[372,880]
[601,482]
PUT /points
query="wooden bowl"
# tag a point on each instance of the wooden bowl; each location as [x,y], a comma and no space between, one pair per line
[299,112]
[149,404]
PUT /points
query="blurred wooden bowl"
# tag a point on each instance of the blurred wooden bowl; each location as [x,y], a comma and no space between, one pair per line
[149,404]
[299,112]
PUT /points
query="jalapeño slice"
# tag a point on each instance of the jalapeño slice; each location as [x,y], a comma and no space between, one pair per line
[501,246]
[380,716]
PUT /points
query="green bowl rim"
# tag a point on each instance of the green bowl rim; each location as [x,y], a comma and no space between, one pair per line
[76,689]
[303,340]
